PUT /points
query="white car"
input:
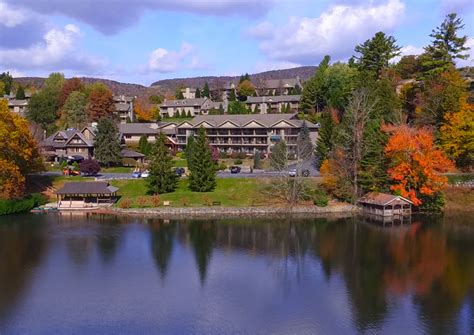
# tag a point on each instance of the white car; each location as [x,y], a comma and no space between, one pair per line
[145,174]
[292,173]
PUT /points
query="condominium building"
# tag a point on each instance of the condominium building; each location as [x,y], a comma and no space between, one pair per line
[274,104]
[124,108]
[189,93]
[192,107]
[245,133]
[18,106]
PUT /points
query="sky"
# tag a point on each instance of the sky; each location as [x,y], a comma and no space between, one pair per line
[141,41]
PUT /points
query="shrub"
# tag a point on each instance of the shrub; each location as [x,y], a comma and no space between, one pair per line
[207,200]
[125,203]
[237,161]
[433,203]
[223,155]
[180,154]
[241,155]
[21,205]
[89,167]
[184,201]
[142,201]
[222,166]
[320,198]
[155,200]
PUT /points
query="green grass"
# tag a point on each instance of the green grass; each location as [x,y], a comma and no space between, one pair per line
[117,169]
[237,192]
[180,162]
[176,119]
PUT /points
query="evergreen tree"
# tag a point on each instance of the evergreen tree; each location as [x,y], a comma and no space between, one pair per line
[257,161]
[188,114]
[74,112]
[107,142]
[312,96]
[188,151]
[203,169]
[221,109]
[20,93]
[326,137]
[163,178]
[279,155]
[445,47]
[144,146]
[178,94]
[7,80]
[198,93]
[205,91]
[375,53]
[304,145]
[232,96]
[257,109]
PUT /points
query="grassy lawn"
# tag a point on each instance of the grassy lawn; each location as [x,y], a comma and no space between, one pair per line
[180,162]
[176,119]
[117,169]
[229,192]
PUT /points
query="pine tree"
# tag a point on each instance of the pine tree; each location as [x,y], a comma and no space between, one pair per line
[326,138]
[188,151]
[311,97]
[163,178]
[20,93]
[107,142]
[144,146]
[188,114]
[205,91]
[279,155]
[203,170]
[198,93]
[221,109]
[232,96]
[257,161]
[304,145]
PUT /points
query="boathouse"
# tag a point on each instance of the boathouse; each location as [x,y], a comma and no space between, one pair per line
[78,195]
[384,204]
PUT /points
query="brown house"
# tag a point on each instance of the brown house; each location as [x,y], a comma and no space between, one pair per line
[384,204]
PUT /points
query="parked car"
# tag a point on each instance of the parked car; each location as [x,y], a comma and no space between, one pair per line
[305,173]
[145,174]
[136,174]
[71,172]
[235,169]
[292,173]
[180,171]
[74,159]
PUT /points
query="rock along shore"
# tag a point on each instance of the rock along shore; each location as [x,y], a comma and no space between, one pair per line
[232,212]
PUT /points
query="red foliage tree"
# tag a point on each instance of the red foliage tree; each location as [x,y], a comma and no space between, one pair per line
[89,167]
[70,85]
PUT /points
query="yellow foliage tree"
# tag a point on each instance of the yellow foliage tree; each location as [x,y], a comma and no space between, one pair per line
[143,113]
[19,153]
[457,135]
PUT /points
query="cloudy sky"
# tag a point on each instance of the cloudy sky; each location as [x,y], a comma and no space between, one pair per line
[141,41]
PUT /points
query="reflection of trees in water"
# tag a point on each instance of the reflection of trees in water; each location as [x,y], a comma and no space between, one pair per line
[202,235]
[162,236]
[22,248]
[109,237]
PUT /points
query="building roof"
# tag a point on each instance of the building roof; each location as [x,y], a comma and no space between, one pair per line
[15,102]
[183,103]
[382,199]
[66,136]
[95,187]
[138,128]
[122,107]
[275,99]
[240,120]
[123,98]
[211,105]
[281,83]
[126,153]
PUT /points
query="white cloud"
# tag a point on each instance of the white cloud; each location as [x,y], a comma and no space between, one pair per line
[470,60]
[57,51]
[10,16]
[163,61]
[336,31]
[407,51]
[262,30]
[268,65]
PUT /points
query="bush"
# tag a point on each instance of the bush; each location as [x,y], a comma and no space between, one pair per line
[155,200]
[238,161]
[434,203]
[142,202]
[320,198]
[184,201]
[125,203]
[223,155]
[21,205]
[180,154]
[222,166]
[89,167]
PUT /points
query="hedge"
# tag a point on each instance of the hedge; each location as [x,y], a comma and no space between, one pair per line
[21,205]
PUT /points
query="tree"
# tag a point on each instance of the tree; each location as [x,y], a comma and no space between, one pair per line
[89,167]
[43,107]
[232,96]
[415,163]
[70,85]
[257,160]
[445,47]
[244,78]
[375,53]
[311,97]
[143,111]
[205,91]
[257,109]
[178,93]
[326,136]
[163,178]
[74,113]
[2,89]
[19,154]
[245,89]
[155,99]
[188,114]
[198,93]
[236,107]
[101,102]
[144,146]
[221,109]
[409,67]
[7,80]
[107,142]
[203,169]
[189,150]
[304,145]
[20,93]
[457,135]
[279,156]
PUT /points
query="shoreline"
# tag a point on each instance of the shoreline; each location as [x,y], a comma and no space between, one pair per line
[229,212]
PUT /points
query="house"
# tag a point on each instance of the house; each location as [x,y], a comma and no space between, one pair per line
[132,132]
[193,107]
[189,93]
[279,86]
[383,204]
[274,104]
[124,108]
[246,133]
[17,106]
[69,142]
[81,195]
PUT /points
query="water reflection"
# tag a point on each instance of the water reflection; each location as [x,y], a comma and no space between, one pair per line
[376,269]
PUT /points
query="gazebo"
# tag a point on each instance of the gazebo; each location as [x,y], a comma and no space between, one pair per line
[86,195]
[384,204]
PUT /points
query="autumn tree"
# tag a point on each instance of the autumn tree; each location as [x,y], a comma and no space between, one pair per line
[70,85]
[101,102]
[143,111]
[163,178]
[7,79]
[457,135]
[107,142]
[245,89]
[409,67]
[446,46]
[19,154]
[74,112]
[415,163]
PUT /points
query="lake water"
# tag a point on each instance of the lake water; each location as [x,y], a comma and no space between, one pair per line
[115,275]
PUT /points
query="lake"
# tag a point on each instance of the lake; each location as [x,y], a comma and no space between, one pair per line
[62,274]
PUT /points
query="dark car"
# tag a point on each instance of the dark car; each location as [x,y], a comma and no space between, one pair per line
[235,169]
[180,171]
[75,159]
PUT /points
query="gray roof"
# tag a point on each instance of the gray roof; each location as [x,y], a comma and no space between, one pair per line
[123,98]
[275,99]
[281,83]
[126,153]
[240,120]
[211,105]
[184,102]
[87,188]
[15,102]
[122,107]
[138,128]
[67,135]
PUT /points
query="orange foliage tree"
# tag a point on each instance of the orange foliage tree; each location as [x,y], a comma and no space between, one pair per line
[415,163]
[101,102]
[19,154]
[143,111]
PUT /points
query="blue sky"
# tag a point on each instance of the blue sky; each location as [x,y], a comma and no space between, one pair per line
[141,41]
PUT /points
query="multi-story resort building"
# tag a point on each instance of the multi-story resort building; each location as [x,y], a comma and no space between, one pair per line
[189,93]
[192,107]
[124,108]
[274,104]
[245,133]
[279,87]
